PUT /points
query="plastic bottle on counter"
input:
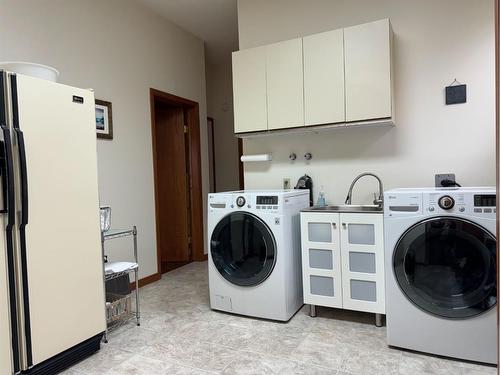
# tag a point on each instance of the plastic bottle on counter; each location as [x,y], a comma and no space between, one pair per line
[321,198]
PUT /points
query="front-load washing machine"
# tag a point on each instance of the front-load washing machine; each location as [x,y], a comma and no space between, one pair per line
[440,258]
[254,261]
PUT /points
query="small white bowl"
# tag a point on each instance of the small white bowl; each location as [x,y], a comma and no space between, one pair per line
[31,69]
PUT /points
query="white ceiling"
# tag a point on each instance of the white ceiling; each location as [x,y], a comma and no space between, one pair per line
[214,21]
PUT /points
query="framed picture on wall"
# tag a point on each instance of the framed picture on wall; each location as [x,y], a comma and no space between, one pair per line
[104,119]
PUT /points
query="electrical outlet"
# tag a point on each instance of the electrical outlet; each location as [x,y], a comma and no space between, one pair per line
[438,178]
[286,184]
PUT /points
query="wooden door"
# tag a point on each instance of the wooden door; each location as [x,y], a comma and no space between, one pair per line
[362,253]
[249,90]
[324,78]
[172,183]
[285,84]
[367,50]
[321,264]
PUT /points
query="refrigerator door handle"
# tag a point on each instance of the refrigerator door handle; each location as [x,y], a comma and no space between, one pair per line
[22,239]
[6,169]
[23,177]
[9,208]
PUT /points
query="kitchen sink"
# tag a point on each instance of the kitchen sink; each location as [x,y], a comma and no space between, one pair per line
[346,208]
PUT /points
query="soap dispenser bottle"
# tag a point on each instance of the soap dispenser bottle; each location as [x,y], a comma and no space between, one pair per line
[321,198]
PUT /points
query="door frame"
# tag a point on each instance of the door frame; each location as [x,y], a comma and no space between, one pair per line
[211,130]
[195,183]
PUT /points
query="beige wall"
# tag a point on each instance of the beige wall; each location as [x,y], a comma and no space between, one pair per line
[435,42]
[120,49]
[220,107]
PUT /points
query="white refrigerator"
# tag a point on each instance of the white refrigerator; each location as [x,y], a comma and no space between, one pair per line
[52,311]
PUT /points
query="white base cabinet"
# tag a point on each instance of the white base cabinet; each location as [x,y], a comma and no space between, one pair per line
[343,260]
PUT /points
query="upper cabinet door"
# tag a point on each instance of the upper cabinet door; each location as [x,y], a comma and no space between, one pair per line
[249,90]
[324,78]
[285,84]
[367,51]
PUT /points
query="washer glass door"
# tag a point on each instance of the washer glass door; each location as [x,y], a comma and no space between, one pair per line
[243,249]
[447,267]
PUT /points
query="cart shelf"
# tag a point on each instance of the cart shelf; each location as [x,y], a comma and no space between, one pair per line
[114,270]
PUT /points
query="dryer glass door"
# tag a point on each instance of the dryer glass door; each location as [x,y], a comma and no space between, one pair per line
[447,267]
[243,249]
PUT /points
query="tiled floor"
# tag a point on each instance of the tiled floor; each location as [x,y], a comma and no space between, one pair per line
[181,335]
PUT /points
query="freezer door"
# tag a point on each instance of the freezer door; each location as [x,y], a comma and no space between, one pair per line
[58,229]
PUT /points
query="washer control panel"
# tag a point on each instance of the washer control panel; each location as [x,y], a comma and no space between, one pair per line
[468,201]
[250,201]
[460,203]
[267,202]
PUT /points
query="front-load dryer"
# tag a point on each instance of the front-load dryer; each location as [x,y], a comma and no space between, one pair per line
[441,288]
[254,260]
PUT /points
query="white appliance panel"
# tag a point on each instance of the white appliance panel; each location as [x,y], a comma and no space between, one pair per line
[411,327]
[64,260]
[278,296]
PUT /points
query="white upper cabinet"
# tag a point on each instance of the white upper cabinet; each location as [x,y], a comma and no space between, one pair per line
[367,50]
[285,84]
[324,78]
[336,77]
[249,90]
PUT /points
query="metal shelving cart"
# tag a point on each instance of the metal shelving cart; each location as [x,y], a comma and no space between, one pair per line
[114,270]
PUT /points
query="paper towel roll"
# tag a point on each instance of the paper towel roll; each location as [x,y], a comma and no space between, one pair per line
[257,157]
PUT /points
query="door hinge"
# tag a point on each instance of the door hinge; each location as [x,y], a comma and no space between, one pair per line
[186,129]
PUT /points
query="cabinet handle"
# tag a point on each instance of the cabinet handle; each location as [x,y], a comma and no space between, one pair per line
[344,225]
[334,225]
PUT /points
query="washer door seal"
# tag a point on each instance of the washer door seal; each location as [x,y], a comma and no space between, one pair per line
[243,249]
[446,266]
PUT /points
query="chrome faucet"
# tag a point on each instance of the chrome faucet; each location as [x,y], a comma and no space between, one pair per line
[377,200]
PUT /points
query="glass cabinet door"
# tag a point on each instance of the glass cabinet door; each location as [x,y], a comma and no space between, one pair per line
[362,262]
[321,264]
